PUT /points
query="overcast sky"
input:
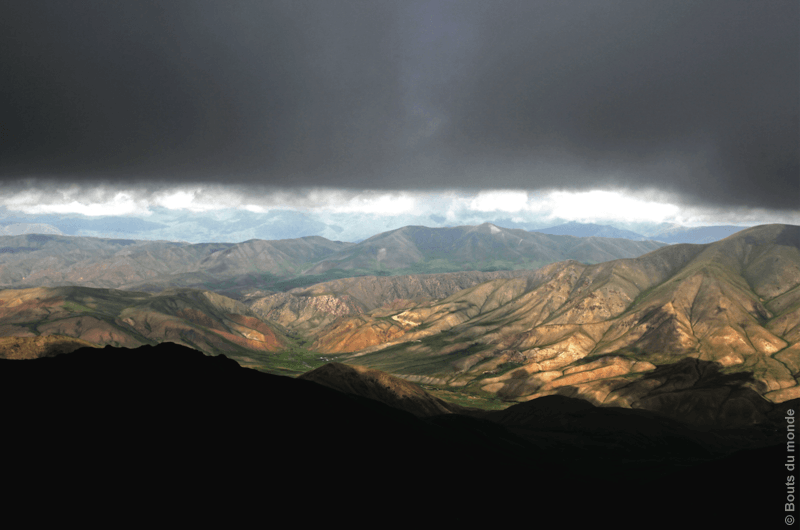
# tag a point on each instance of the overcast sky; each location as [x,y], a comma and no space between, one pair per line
[686,106]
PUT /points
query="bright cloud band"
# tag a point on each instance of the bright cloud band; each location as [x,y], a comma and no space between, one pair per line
[456,207]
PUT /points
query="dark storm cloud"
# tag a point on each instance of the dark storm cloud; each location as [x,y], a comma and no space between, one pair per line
[694,97]
[160,88]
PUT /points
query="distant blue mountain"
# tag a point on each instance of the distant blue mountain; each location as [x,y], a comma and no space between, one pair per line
[16,229]
[77,225]
[698,235]
[591,230]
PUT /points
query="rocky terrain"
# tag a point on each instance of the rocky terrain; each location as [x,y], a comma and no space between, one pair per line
[309,309]
[603,331]
[45,321]
[715,324]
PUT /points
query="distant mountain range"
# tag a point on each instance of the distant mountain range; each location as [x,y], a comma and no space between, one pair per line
[420,250]
[591,230]
[16,229]
[35,260]
[698,236]
[234,226]
[674,234]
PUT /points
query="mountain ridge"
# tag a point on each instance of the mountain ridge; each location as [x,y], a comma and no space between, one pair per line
[38,260]
[58,318]
[734,302]
[467,247]
[591,229]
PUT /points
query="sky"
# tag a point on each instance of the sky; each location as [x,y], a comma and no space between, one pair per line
[388,112]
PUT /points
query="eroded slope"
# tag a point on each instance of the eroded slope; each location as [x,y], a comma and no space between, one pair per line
[595,329]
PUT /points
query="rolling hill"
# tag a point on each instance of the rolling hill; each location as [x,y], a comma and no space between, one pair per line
[309,309]
[603,331]
[44,260]
[38,260]
[46,321]
[419,249]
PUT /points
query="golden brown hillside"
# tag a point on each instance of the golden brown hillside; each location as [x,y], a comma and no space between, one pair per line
[51,319]
[593,330]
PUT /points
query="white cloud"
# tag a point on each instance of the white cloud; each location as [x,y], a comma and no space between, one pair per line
[700,216]
[94,202]
[500,200]
[386,208]
[206,199]
[385,203]
[598,205]
[177,200]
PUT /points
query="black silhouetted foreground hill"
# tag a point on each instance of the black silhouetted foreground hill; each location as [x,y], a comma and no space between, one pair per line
[167,425]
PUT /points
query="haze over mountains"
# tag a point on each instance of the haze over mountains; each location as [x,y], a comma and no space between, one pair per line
[238,226]
[50,260]
[15,229]
[590,229]
[698,235]
[670,234]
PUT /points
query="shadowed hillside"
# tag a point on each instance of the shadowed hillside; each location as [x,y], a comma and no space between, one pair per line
[205,424]
[380,386]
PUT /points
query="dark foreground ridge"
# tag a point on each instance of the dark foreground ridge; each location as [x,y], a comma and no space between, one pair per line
[182,423]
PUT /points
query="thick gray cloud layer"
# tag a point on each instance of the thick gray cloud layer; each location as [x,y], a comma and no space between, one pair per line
[694,97]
